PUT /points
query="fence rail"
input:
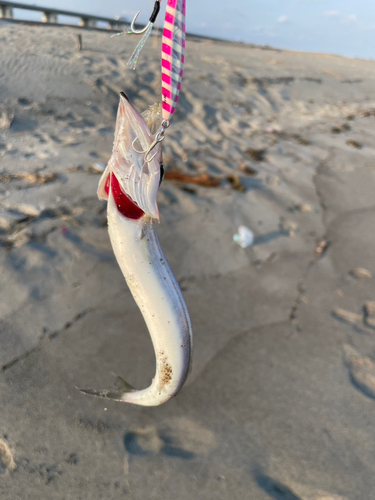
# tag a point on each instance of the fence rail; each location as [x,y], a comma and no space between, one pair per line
[50,15]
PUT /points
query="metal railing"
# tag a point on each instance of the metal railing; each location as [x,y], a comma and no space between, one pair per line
[50,16]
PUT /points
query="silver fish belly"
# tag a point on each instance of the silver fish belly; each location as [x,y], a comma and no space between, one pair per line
[159,298]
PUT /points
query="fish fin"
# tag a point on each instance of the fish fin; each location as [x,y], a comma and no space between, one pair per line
[102,195]
[122,388]
[115,395]
[122,385]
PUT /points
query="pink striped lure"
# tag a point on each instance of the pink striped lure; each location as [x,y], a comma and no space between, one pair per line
[172,61]
[173,55]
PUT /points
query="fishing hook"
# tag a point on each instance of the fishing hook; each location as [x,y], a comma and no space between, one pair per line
[158,139]
[152,20]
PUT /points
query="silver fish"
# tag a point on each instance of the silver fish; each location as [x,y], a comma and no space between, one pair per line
[130,184]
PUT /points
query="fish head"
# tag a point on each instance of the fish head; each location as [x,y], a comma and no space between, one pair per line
[137,172]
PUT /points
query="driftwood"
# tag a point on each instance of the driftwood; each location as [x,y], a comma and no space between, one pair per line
[205,180]
[36,178]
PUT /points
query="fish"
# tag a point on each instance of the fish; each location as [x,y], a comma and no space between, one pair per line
[130,185]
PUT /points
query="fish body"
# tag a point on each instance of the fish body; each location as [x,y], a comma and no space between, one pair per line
[131,210]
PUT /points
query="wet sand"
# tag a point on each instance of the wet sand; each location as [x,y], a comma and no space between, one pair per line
[280,403]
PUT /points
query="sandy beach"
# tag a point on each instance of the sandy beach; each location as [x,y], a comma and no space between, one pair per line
[280,402]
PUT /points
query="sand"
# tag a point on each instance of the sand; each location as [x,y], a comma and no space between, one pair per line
[281,399]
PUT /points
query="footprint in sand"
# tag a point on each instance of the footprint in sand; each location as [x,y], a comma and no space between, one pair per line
[22,101]
[280,491]
[6,458]
[11,152]
[361,370]
[143,442]
[112,61]
[275,489]
[180,438]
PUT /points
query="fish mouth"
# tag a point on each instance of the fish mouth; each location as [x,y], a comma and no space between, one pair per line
[136,177]
[122,94]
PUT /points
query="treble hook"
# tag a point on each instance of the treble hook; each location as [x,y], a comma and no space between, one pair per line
[158,139]
[152,20]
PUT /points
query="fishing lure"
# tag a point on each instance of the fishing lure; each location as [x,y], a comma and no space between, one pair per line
[172,65]
[173,55]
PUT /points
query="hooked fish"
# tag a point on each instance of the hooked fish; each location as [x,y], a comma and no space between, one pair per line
[130,184]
